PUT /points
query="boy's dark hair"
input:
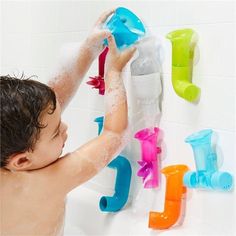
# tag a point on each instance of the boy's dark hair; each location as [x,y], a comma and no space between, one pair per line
[22,103]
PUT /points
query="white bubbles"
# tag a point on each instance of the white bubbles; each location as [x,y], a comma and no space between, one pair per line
[115,95]
[108,145]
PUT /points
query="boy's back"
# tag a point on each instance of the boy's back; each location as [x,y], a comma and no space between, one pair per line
[29,205]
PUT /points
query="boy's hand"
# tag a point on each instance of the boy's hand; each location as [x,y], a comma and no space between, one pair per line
[95,40]
[117,60]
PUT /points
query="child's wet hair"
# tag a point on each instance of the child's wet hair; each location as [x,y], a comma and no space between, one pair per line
[23,101]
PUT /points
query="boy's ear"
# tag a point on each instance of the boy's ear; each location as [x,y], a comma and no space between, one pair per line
[19,161]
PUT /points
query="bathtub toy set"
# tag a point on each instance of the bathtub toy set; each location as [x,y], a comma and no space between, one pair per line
[179,178]
[128,29]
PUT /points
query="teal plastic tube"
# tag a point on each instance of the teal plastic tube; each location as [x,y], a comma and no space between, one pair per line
[123,178]
[122,186]
[99,121]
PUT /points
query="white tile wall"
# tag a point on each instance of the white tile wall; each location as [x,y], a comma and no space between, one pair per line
[32,35]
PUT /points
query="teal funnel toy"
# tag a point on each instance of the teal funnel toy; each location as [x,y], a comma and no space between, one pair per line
[125,26]
[207,174]
[123,179]
[183,45]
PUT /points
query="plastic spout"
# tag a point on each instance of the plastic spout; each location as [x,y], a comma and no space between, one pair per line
[98,81]
[173,199]
[123,179]
[207,174]
[99,121]
[122,186]
[149,166]
[183,46]
[126,27]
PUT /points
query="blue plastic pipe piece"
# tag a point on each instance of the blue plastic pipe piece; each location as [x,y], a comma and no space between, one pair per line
[126,27]
[99,121]
[123,179]
[122,186]
[207,174]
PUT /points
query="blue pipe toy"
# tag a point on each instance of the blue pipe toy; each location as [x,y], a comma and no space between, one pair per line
[207,174]
[99,121]
[122,185]
[123,179]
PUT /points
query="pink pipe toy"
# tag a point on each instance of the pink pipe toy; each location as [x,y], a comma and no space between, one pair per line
[98,80]
[149,163]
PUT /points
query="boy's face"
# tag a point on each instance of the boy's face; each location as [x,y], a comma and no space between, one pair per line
[51,142]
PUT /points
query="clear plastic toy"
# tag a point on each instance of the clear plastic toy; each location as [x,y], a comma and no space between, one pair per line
[207,174]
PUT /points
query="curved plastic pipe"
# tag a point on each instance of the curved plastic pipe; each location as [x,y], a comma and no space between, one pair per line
[122,186]
[123,179]
[149,164]
[98,81]
[99,121]
[173,198]
[183,45]
[207,174]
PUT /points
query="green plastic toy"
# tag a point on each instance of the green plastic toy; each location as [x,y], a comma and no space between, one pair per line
[183,45]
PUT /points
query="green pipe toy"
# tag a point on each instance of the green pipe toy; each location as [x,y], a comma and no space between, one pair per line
[183,45]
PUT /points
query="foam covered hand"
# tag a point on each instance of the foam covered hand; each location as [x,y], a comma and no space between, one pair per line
[95,40]
[116,60]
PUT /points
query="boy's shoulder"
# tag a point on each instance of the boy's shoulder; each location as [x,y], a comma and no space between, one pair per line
[17,182]
[25,197]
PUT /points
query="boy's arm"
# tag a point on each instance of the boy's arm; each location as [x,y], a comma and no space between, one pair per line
[66,83]
[81,165]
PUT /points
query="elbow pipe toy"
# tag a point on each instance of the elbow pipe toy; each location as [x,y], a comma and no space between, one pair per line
[123,179]
[98,81]
[125,26]
[175,192]
[183,45]
[207,174]
[99,121]
[122,186]
[149,162]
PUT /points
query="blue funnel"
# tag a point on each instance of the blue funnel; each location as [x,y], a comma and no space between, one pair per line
[126,27]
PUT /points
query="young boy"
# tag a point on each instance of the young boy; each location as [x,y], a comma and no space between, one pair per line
[34,180]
